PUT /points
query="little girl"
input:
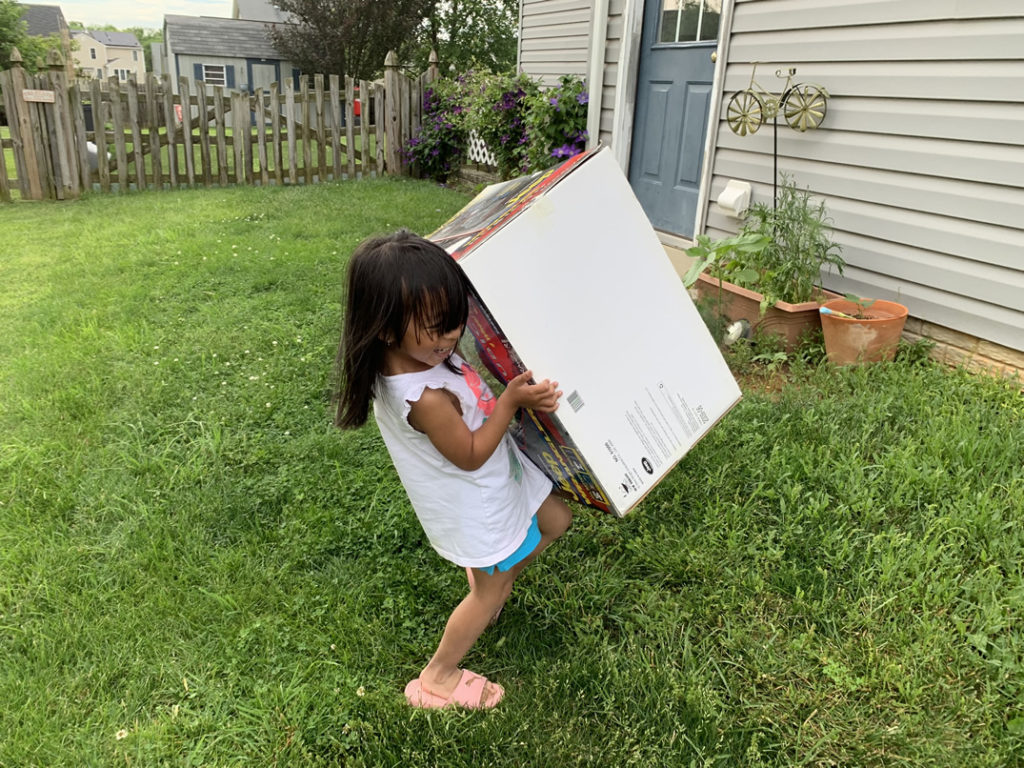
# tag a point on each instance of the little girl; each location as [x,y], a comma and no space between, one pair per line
[482,504]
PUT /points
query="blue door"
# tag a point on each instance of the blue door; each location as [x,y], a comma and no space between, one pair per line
[672,103]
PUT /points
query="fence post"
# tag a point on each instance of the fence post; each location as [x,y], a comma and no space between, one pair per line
[21,132]
[64,154]
[433,71]
[392,114]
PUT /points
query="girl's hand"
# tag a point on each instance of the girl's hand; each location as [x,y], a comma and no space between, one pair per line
[542,396]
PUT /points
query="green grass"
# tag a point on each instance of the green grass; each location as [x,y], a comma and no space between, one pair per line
[196,569]
[229,159]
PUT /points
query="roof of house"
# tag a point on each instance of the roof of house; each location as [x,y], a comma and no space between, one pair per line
[257,10]
[206,35]
[44,20]
[115,39]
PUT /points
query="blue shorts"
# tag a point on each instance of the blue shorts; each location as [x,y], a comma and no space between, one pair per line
[525,550]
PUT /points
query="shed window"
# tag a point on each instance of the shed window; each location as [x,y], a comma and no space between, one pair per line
[213,74]
[689,21]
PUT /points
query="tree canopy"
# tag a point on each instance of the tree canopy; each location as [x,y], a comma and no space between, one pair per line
[471,33]
[352,37]
[349,37]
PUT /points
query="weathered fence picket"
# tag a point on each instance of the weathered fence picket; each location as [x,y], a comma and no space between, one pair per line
[68,137]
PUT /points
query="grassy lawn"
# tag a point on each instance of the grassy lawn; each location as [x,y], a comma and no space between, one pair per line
[196,569]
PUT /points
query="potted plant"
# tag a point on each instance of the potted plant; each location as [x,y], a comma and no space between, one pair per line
[769,273]
[860,330]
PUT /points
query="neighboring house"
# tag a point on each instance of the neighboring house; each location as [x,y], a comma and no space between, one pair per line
[48,21]
[234,53]
[100,54]
[920,158]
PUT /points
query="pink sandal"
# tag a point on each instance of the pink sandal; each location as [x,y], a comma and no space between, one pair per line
[470,692]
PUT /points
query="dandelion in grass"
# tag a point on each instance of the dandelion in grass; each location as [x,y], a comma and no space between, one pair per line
[360,691]
[122,734]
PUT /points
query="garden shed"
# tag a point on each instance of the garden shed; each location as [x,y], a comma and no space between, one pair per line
[920,157]
[235,53]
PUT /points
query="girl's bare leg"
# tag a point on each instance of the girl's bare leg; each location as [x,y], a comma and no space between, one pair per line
[490,591]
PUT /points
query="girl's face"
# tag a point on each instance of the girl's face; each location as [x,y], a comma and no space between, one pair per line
[420,349]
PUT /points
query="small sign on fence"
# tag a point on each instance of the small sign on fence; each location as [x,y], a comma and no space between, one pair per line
[44,97]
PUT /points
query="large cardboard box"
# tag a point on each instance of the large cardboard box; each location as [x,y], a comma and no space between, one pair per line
[572,283]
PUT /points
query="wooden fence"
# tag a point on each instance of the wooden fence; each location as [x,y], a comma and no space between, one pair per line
[67,137]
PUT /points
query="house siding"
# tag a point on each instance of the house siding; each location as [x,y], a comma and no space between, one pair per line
[920,158]
[554,39]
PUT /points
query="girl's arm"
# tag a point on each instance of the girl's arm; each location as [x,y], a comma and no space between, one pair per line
[436,415]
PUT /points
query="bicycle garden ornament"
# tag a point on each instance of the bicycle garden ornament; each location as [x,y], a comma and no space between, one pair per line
[803,105]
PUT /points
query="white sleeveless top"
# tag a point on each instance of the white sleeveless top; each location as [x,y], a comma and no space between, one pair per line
[473,519]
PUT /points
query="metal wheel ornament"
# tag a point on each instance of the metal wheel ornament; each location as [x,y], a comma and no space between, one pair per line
[745,113]
[805,107]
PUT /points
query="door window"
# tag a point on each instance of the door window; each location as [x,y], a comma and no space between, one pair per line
[689,21]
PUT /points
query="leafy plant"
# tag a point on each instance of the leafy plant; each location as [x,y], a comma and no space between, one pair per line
[524,127]
[728,256]
[497,106]
[441,143]
[556,122]
[800,244]
[862,303]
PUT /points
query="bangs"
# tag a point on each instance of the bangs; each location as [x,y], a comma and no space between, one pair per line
[435,296]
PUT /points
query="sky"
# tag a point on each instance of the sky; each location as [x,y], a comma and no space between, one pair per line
[148,14]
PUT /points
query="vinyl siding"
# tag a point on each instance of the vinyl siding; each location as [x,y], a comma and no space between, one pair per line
[554,39]
[920,157]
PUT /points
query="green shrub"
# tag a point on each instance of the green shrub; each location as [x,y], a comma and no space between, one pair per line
[556,122]
[441,144]
[525,127]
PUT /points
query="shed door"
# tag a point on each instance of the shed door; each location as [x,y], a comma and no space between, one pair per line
[672,103]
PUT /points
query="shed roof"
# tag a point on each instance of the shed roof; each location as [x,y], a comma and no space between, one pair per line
[210,36]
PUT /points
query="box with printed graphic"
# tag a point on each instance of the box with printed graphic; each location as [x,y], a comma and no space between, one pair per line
[571,282]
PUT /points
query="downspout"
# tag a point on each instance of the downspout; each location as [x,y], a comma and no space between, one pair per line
[595,78]
[711,141]
[519,40]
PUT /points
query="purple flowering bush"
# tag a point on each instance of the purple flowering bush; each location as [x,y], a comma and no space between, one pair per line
[440,147]
[556,122]
[524,127]
[497,107]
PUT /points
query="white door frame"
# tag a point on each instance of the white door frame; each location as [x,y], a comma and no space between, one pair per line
[625,103]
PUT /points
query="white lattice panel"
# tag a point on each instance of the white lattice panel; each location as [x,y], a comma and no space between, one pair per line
[478,151]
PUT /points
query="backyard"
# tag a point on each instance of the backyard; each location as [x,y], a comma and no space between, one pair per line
[197,569]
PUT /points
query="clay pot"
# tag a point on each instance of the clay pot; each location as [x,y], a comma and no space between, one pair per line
[787,321]
[867,339]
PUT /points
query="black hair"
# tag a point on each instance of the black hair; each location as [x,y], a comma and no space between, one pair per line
[393,281]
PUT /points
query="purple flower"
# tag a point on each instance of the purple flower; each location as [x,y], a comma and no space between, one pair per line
[553,101]
[582,98]
[566,150]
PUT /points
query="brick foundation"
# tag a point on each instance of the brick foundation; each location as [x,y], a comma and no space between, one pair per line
[956,348]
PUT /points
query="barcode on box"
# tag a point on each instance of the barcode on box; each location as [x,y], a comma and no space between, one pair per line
[575,400]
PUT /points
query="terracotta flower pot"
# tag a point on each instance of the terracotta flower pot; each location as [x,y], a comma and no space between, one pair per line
[787,321]
[866,339]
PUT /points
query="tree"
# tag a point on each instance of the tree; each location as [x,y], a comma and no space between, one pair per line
[12,30]
[348,37]
[471,33]
[14,34]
